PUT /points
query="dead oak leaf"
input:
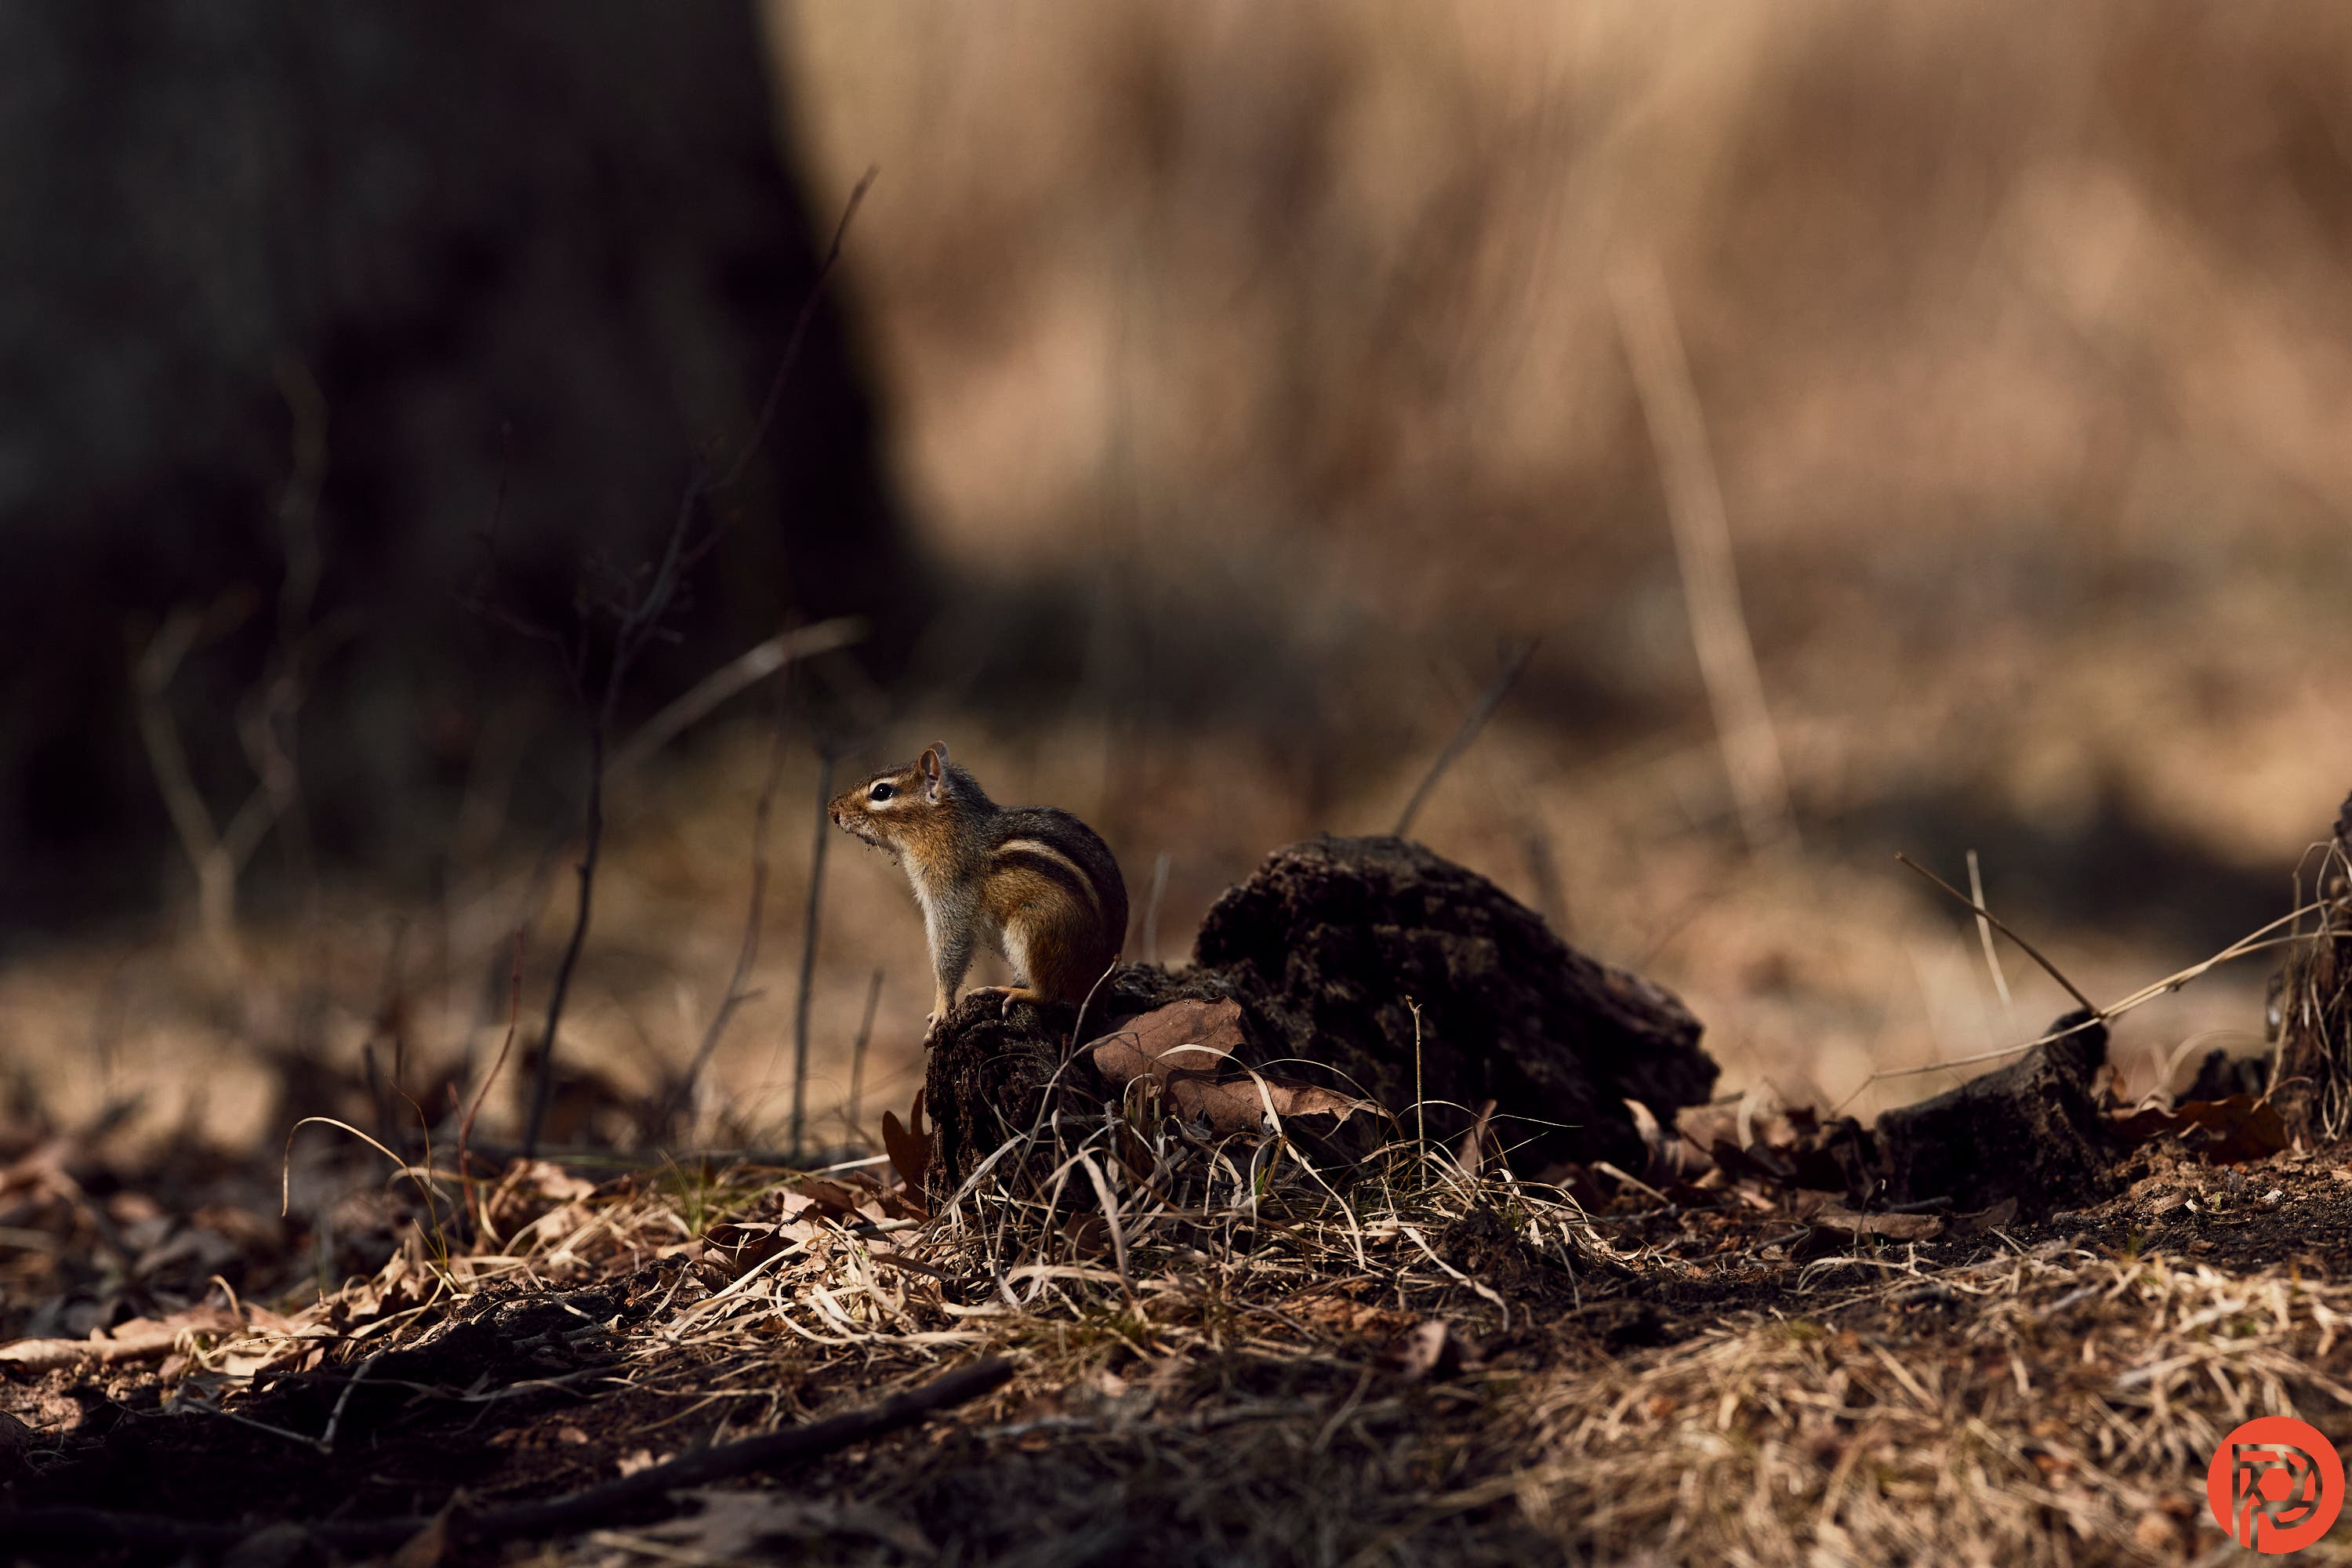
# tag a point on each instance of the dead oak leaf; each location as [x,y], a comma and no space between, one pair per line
[1880,1226]
[1188,1036]
[1184,1048]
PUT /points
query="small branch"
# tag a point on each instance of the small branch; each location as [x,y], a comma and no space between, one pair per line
[638,613]
[857,1051]
[593,838]
[808,950]
[1987,915]
[335,1417]
[466,1127]
[215,859]
[639,621]
[35,1356]
[746,668]
[748,953]
[800,331]
[168,760]
[1472,723]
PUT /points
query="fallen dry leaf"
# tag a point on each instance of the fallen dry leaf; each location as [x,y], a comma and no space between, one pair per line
[830,1197]
[549,1180]
[2227,1131]
[2002,1214]
[1471,1156]
[140,1339]
[1181,1037]
[1242,1104]
[909,1151]
[1183,1047]
[1884,1227]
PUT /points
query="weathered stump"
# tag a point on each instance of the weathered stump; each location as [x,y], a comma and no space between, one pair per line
[990,1069]
[1385,963]
[1370,965]
[2030,1132]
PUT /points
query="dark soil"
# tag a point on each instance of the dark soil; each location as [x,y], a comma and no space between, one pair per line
[515,1401]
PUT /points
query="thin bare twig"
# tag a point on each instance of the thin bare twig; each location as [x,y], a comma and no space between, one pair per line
[1472,722]
[808,949]
[1984,933]
[746,668]
[2257,940]
[1702,530]
[1159,864]
[748,953]
[265,721]
[514,1015]
[857,1051]
[1995,920]
[639,619]
[800,330]
[214,863]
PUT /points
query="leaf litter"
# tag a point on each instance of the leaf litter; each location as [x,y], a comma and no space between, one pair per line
[1221,1352]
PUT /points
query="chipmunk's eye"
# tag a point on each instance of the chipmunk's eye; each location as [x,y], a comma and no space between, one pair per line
[880,793]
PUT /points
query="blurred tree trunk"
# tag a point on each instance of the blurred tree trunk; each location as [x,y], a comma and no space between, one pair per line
[295,289]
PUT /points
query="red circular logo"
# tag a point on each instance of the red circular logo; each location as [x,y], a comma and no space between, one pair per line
[2276,1484]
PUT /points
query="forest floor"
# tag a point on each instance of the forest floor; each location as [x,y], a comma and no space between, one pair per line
[1429,1363]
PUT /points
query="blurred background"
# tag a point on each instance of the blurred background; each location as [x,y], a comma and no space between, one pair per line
[1908,428]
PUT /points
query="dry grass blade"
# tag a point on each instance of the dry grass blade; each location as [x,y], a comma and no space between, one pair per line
[1472,722]
[1702,530]
[2257,940]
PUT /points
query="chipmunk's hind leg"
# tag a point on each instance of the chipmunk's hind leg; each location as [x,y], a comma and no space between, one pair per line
[1012,995]
[1052,959]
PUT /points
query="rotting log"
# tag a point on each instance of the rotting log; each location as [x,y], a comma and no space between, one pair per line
[1376,968]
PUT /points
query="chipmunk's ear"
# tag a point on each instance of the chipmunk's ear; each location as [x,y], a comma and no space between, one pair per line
[933,766]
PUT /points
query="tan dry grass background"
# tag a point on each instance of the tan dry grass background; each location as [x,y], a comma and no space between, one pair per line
[1275,347]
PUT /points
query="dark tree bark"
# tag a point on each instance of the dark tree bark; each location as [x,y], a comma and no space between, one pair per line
[2029,1130]
[1333,942]
[548,248]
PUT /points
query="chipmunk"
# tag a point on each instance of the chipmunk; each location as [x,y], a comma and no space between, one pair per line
[1033,883]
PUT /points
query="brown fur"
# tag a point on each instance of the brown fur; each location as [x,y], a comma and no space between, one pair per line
[1031,882]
